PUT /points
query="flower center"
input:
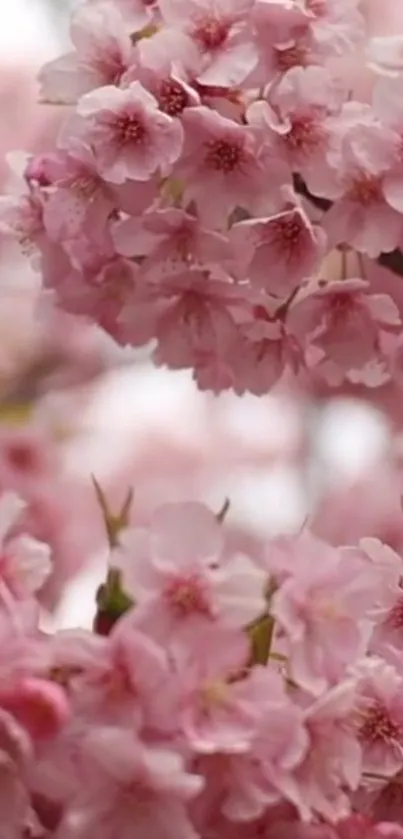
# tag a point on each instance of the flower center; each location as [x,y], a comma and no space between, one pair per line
[22,456]
[223,155]
[172,97]
[328,610]
[377,725]
[287,231]
[210,33]
[340,308]
[294,56]
[394,619]
[187,596]
[365,189]
[305,135]
[130,129]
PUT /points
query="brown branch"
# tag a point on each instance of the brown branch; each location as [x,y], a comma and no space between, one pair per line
[320,203]
[393,260]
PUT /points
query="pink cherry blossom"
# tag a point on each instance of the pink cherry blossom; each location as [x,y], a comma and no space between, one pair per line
[137,14]
[76,196]
[16,752]
[344,321]
[22,218]
[333,762]
[362,215]
[162,77]
[379,717]
[386,54]
[280,34]
[131,782]
[384,801]
[213,40]
[222,708]
[170,240]
[266,774]
[297,122]
[337,28]
[103,51]
[266,349]
[277,252]
[40,706]
[388,565]
[130,137]
[123,678]
[387,107]
[108,285]
[205,307]
[25,563]
[323,612]
[220,159]
[183,585]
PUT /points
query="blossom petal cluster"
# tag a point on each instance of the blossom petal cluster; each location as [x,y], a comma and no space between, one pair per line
[179,207]
[227,697]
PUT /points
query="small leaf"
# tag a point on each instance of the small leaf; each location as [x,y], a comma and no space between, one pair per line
[261,635]
[147,32]
[114,522]
[224,510]
[16,413]
[112,603]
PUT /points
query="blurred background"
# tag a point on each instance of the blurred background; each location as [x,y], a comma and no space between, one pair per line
[281,461]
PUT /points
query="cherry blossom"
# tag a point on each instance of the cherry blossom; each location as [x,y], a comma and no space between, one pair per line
[298,120]
[103,52]
[184,586]
[362,216]
[379,716]
[278,252]
[333,763]
[129,780]
[129,136]
[123,678]
[323,613]
[25,562]
[344,322]
[220,712]
[170,240]
[220,158]
[212,40]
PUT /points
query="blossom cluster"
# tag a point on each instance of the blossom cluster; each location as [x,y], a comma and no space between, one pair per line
[175,208]
[221,695]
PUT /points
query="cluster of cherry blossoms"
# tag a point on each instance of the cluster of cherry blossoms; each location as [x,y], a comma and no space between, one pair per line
[220,695]
[180,206]
[214,159]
